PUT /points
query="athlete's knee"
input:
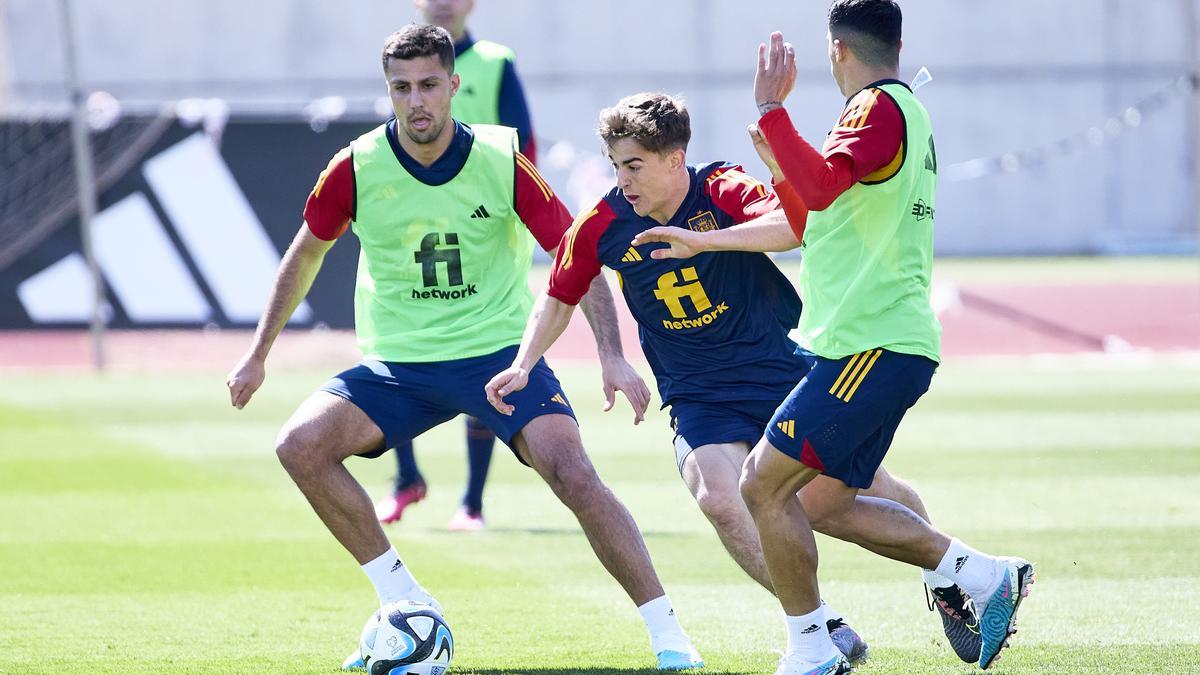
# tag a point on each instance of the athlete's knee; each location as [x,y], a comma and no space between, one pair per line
[754,490]
[720,504]
[573,478]
[299,450]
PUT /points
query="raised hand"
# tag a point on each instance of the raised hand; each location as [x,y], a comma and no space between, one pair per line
[776,74]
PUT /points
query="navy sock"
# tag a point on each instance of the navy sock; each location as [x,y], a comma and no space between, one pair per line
[480,441]
[407,473]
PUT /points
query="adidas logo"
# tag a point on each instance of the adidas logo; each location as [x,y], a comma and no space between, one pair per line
[558,398]
[481,212]
[788,427]
[811,629]
[632,256]
[959,562]
[398,565]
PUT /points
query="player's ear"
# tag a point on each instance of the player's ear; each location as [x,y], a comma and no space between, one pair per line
[837,51]
[676,159]
[455,80]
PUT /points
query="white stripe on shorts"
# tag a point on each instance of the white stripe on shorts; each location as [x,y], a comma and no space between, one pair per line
[682,450]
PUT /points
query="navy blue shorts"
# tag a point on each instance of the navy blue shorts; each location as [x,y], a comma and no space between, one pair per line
[841,418]
[700,423]
[407,399]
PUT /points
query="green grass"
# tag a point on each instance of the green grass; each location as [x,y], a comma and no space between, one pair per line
[146,527]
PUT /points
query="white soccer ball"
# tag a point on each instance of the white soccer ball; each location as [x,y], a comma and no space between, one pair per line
[406,638]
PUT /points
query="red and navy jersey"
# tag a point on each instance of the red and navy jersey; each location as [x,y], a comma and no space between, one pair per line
[713,327]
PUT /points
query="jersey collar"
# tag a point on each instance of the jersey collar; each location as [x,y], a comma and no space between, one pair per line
[879,83]
[446,167]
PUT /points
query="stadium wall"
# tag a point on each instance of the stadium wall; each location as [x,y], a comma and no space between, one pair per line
[1077,117]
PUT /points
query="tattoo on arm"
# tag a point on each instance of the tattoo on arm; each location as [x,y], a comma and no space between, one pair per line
[767,106]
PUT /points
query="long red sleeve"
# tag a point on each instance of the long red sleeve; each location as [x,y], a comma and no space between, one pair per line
[816,180]
[793,207]
[866,145]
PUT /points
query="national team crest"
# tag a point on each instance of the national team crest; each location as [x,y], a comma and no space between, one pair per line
[704,222]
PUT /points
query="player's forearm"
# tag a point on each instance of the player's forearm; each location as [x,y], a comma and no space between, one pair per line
[766,233]
[547,322]
[601,312]
[295,277]
[814,178]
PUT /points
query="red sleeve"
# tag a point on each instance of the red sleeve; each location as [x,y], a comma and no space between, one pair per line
[793,207]
[737,194]
[330,205]
[578,260]
[537,205]
[871,134]
[866,144]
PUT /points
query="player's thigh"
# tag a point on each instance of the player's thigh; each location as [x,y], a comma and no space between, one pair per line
[552,446]
[329,426]
[401,400]
[770,475]
[884,485]
[712,473]
[827,498]
[728,423]
[841,417]
[542,396]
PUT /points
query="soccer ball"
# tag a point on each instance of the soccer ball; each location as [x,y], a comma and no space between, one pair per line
[406,638]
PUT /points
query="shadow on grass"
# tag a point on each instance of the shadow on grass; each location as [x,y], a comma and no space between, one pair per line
[582,671]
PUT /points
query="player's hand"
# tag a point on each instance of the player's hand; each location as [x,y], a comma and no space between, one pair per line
[684,243]
[776,74]
[764,152]
[618,375]
[504,383]
[245,379]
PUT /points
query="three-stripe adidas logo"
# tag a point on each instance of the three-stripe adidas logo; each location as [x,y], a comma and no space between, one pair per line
[788,427]
[481,212]
[144,256]
[854,373]
[559,399]
[632,256]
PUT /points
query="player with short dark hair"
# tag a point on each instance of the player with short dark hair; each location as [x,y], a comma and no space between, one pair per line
[868,332]
[490,93]
[443,212]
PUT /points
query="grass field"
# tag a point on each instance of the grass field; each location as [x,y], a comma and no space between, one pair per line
[146,527]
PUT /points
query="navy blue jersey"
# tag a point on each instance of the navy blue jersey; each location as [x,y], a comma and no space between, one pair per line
[713,327]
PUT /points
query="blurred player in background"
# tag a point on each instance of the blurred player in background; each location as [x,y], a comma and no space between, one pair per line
[490,93]
[868,332]
[443,212]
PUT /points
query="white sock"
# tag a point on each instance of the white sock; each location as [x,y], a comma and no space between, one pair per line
[935,580]
[390,577]
[832,614]
[976,573]
[808,638]
[665,631]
